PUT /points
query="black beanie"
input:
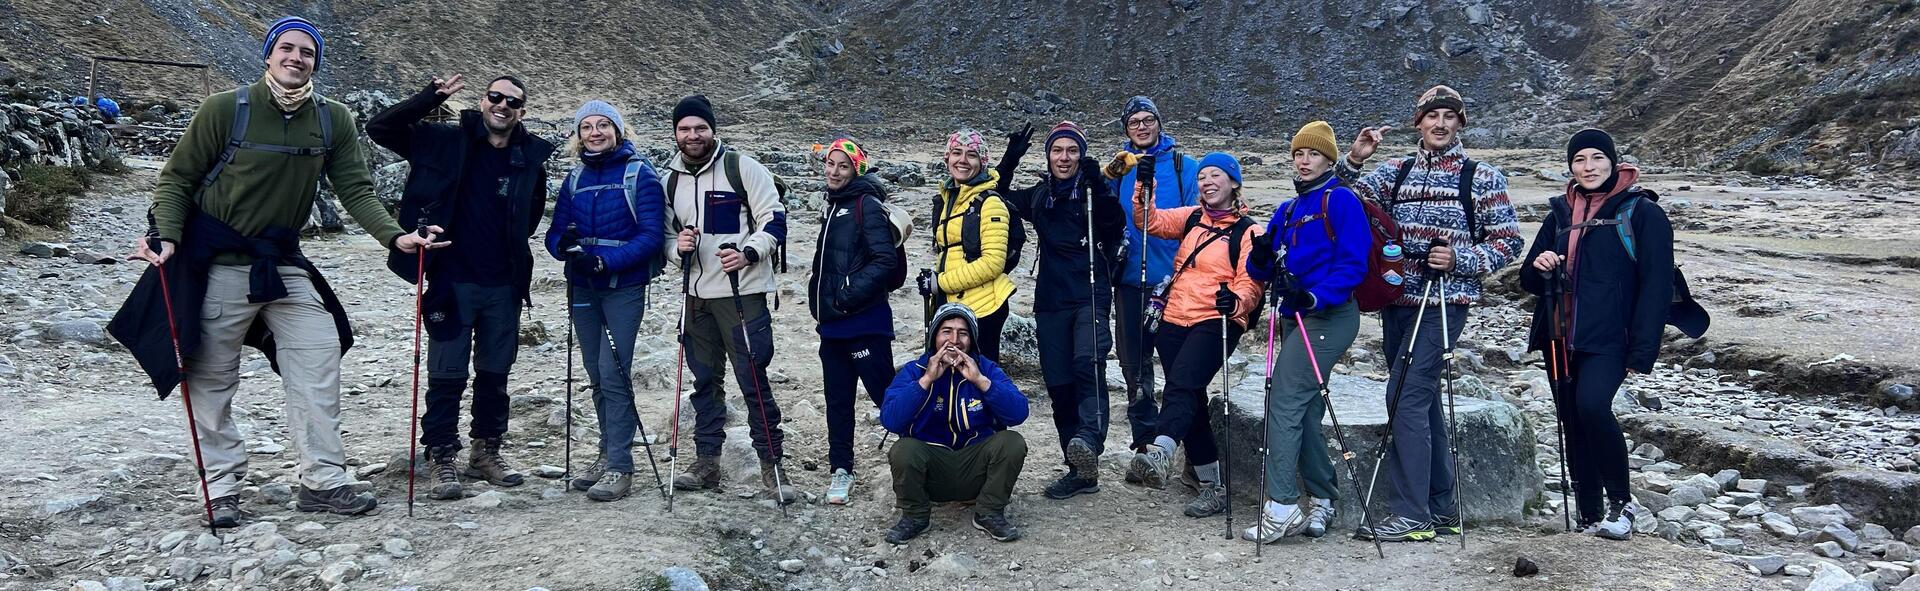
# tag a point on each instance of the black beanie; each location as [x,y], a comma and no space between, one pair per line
[695,106]
[1596,139]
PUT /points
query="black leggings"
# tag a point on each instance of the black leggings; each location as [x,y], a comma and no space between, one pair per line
[988,341]
[1191,358]
[1596,448]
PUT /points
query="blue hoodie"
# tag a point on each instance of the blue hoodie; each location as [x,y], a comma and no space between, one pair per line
[1330,268]
[954,414]
[1172,188]
[604,215]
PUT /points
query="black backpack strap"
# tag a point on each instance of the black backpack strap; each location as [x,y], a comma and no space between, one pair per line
[236,136]
[1179,177]
[1465,194]
[1393,196]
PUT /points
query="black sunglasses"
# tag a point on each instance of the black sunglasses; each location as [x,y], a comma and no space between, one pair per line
[512,102]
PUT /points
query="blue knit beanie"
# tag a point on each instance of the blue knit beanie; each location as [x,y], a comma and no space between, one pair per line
[1138,104]
[1224,162]
[601,108]
[293,23]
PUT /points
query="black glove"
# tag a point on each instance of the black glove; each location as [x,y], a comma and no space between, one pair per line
[1017,144]
[1262,256]
[570,239]
[926,283]
[581,264]
[1294,296]
[1090,171]
[1225,301]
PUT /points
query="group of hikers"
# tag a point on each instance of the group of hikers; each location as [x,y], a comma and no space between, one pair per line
[1154,252]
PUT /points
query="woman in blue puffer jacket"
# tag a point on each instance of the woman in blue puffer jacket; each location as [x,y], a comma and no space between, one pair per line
[609,225]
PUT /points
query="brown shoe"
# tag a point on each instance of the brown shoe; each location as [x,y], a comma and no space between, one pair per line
[446,478]
[484,462]
[776,486]
[704,475]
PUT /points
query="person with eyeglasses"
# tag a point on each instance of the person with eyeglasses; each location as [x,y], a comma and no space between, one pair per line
[483,178]
[1174,186]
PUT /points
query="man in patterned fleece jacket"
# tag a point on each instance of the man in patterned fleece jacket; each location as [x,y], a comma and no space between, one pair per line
[1461,246]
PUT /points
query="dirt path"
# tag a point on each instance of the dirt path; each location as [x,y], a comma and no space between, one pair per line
[83,425]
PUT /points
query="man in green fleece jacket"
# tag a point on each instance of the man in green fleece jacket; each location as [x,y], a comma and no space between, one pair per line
[266,189]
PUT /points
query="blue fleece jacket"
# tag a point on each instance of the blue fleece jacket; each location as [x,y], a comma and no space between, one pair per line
[604,214]
[1175,185]
[1330,267]
[954,413]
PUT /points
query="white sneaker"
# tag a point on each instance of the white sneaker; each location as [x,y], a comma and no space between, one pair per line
[1618,525]
[1276,521]
[841,485]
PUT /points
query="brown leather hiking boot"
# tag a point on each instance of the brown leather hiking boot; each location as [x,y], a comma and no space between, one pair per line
[704,475]
[484,462]
[446,477]
[780,490]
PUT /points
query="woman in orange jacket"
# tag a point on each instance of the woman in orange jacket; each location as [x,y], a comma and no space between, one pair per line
[1208,292]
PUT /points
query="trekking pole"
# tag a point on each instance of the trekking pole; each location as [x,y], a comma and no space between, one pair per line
[419,285]
[186,395]
[620,363]
[1143,359]
[1346,451]
[679,380]
[1453,425]
[1393,400]
[753,371]
[566,475]
[1093,296]
[1226,397]
[1266,396]
[1556,373]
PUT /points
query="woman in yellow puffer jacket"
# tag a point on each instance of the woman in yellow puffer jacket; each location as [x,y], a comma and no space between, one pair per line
[971,267]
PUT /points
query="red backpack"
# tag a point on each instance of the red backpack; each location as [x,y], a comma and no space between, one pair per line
[1383,282]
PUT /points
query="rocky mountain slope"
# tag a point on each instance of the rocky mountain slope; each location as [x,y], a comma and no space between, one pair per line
[1815,84]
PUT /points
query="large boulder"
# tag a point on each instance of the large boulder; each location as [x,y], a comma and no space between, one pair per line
[1498,473]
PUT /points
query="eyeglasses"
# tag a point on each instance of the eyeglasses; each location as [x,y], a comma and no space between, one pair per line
[512,102]
[1142,123]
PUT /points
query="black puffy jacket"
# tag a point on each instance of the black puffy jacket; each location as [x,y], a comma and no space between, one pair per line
[855,260]
[1620,303]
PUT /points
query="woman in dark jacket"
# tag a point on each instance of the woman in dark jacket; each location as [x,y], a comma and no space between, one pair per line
[856,263]
[1609,249]
[609,225]
[1080,227]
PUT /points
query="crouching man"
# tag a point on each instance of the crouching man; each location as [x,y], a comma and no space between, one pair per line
[953,409]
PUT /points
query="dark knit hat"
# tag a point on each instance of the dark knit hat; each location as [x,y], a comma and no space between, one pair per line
[293,23]
[949,311]
[695,106]
[1067,129]
[1138,104]
[1440,97]
[1592,138]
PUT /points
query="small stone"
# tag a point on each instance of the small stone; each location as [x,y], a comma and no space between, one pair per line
[1684,495]
[487,500]
[397,547]
[1795,570]
[1708,485]
[1677,513]
[126,584]
[1874,532]
[1752,485]
[1215,558]
[953,565]
[1889,573]
[276,493]
[1753,509]
[1726,545]
[336,552]
[1821,516]
[1912,536]
[1766,565]
[280,560]
[1897,552]
[1524,567]
[376,562]
[1711,514]
[340,572]
[680,578]
[1726,478]
[170,541]
[1828,549]
[88,586]
[1839,534]
[1779,525]
[1829,577]
[206,543]
[308,527]
[183,569]
[793,565]
[546,471]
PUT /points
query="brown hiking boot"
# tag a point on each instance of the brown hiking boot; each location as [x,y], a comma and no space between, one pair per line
[777,489]
[446,478]
[704,475]
[484,462]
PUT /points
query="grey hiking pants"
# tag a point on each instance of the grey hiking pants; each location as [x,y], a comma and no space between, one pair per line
[1294,441]
[1418,464]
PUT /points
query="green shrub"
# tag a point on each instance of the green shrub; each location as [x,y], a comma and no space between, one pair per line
[44,194]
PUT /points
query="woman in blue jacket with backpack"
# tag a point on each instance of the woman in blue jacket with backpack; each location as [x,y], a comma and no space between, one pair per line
[1314,254]
[609,225]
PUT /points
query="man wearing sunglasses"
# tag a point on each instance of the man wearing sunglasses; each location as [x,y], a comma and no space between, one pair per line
[482,179]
